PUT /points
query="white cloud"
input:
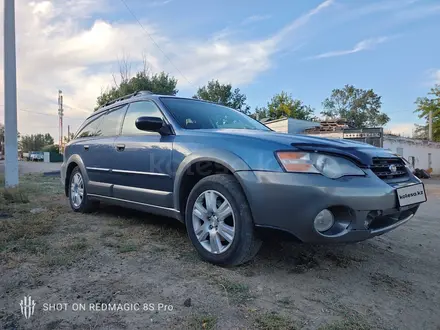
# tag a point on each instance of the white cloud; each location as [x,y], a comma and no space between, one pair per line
[436,76]
[301,21]
[416,13]
[255,18]
[61,45]
[158,3]
[431,77]
[404,129]
[366,44]
[380,6]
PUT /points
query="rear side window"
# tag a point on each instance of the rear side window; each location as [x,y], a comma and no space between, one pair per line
[136,110]
[111,122]
[90,129]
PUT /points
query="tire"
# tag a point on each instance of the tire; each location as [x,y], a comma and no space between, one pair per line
[243,244]
[82,205]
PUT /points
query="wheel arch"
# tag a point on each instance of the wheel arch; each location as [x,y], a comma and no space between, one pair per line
[201,164]
[72,162]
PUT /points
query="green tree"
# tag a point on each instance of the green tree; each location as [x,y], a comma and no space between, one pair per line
[360,107]
[35,142]
[48,139]
[161,83]
[283,105]
[420,132]
[260,113]
[223,94]
[69,138]
[427,104]
[51,148]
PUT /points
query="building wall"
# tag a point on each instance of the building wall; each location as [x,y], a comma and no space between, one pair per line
[290,125]
[281,126]
[417,150]
[297,126]
[329,135]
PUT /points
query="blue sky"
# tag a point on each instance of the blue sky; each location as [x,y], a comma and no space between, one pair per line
[385,45]
[306,48]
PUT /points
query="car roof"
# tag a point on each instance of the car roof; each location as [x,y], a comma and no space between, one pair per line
[140,95]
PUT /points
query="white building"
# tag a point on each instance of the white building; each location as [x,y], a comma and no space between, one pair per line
[421,154]
[290,125]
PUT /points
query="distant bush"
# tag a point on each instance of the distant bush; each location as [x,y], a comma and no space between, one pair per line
[51,148]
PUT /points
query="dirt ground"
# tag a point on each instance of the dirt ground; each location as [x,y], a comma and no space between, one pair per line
[122,258]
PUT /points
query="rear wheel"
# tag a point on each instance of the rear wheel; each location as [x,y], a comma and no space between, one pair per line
[78,199]
[219,221]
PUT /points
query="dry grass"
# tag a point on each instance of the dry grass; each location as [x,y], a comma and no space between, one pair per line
[201,322]
[349,323]
[15,195]
[118,255]
[238,293]
[391,284]
[274,321]
[22,232]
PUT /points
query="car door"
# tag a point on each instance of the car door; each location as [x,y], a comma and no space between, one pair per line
[104,152]
[142,166]
[98,150]
[86,146]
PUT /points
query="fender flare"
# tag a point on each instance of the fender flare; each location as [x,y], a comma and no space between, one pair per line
[226,158]
[75,158]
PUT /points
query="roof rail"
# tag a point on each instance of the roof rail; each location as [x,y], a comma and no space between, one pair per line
[126,97]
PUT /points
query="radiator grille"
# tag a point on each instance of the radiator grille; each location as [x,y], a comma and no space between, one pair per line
[389,168]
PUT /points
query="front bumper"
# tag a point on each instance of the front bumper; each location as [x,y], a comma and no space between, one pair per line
[363,207]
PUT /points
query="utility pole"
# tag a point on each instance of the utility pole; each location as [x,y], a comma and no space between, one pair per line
[68,133]
[60,115]
[430,126]
[10,82]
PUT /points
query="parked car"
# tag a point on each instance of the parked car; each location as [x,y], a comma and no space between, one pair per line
[224,174]
[36,156]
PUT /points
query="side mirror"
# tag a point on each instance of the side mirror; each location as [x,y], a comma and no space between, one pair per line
[152,124]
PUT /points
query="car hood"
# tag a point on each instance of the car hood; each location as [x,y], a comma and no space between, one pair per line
[361,152]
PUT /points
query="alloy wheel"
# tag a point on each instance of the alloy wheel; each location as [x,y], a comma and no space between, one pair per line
[213,221]
[77,190]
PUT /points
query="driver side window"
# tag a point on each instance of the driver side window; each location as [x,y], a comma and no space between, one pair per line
[136,110]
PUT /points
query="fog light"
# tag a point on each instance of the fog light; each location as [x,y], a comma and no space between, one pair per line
[324,220]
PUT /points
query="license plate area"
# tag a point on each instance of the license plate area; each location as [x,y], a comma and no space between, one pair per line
[410,195]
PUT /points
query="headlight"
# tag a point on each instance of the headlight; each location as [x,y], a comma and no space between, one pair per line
[331,166]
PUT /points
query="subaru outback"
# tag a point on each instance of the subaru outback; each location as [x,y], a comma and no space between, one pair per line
[224,175]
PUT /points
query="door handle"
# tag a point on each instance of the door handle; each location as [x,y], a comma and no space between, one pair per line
[86,147]
[120,147]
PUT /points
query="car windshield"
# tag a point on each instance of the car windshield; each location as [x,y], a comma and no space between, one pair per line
[195,114]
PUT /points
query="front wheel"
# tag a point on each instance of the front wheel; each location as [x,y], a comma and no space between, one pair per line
[219,221]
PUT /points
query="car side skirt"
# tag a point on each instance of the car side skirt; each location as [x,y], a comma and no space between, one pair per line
[154,209]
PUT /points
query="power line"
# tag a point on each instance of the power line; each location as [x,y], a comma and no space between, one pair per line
[155,43]
[73,108]
[48,114]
